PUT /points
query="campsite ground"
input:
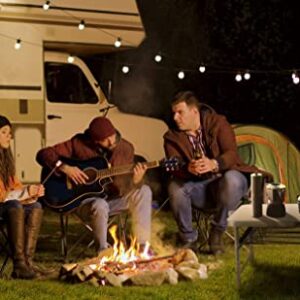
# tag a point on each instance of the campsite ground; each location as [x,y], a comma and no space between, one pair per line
[275,274]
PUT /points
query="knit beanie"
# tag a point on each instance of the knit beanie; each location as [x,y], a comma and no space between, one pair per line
[100,128]
[4,121]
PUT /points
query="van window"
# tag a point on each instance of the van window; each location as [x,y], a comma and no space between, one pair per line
[66,83]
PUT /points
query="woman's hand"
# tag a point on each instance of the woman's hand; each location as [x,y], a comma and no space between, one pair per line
[36,190]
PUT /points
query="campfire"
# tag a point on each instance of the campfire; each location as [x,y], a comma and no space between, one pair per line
[119,266]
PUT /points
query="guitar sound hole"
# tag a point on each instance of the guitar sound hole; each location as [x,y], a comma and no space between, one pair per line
[92,174]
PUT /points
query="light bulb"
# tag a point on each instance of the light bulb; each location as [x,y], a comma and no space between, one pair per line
[118,43]
[125,69]
[81,25]
[158,58]
[71,59]
[18,44]
[247,76]
[296,80]
[46,5]
[238,77]
[294,74]
[202,69]
[181,75]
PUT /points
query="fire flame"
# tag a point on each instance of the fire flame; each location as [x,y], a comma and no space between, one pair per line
[121,255]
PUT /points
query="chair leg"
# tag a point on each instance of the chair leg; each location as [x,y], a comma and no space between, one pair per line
[64,230]
[202,220]
[122,223]
[90,244]
[4,246]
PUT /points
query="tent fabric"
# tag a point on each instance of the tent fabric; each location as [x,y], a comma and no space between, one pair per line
[270,150]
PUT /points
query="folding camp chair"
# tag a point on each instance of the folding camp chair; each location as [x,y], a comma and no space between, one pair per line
[203,217]
[119,218]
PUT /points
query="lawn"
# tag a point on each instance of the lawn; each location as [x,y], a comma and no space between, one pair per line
[275,274]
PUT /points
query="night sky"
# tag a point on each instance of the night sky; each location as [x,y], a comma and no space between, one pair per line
[227,37]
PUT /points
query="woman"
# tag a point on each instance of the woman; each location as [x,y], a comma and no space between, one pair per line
[19,209]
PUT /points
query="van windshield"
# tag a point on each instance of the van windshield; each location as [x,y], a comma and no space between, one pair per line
[66,83]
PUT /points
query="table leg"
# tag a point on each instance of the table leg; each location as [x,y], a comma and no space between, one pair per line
[237,256]
[251,250]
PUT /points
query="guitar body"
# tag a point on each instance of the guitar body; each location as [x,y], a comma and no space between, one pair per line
[63,196]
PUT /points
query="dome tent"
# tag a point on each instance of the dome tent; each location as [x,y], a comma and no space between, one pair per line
[270,150]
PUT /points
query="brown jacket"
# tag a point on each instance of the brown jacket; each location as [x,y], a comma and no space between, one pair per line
[81,147]
[220,145]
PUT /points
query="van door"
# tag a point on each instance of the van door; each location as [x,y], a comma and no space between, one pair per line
[71,101]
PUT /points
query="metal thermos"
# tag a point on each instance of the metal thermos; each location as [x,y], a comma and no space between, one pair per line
[257,193]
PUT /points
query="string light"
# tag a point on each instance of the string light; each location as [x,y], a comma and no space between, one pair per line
[181,75]
[18,44]
[81,25]
[46,5]
[247,76]
[238,77]
[295,78]
[118,42]
[71,59]
[125,69]
[202,69]
[158,58]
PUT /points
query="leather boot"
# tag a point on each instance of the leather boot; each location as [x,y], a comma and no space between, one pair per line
[33,226]
[15,228]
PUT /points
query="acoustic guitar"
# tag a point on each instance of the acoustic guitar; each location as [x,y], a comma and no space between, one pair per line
[62,195]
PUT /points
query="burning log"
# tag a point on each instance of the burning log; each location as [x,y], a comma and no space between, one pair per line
[154,271]
[117,266]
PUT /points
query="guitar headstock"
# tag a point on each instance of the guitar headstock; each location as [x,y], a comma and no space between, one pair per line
[171,164]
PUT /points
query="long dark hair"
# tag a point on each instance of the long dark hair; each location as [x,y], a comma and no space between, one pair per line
[7,164]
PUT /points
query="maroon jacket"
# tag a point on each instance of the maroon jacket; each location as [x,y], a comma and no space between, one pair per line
[220,145]
[81,147]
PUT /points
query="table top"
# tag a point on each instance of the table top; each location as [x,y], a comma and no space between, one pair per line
[243,216]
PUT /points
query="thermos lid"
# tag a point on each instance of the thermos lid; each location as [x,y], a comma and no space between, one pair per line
[275,186]
[256,175]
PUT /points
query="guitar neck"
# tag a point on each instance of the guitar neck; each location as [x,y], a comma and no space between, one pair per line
[121,170]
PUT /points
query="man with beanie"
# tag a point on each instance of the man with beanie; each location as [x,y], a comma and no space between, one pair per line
[102,140]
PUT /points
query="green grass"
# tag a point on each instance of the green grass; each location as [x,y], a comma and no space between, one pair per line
[275,274]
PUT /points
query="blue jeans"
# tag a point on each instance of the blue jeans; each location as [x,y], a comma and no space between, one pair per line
[98,210]
[222,193]
[6,206]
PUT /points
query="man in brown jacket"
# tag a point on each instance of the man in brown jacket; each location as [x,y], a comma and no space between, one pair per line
[213,176]
[102,140]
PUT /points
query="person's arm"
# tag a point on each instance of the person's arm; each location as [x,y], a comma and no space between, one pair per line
[19,192]
[49,156]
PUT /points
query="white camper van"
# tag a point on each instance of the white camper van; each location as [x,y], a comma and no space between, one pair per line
[49,97]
